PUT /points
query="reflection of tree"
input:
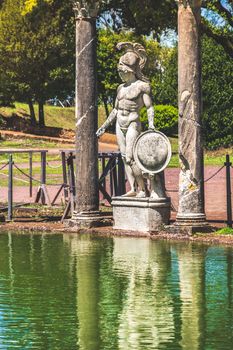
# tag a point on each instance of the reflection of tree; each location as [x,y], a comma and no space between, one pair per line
[36,294]
[192,294]
[147,317]
[229,276]
[219,297]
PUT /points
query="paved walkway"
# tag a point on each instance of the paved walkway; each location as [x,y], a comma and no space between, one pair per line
[215,192]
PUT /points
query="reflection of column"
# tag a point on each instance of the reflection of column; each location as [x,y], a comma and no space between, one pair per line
[229,257]
[192,294]
[87,256]
[146,320]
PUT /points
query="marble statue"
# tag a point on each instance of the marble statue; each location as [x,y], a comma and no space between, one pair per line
[133,94]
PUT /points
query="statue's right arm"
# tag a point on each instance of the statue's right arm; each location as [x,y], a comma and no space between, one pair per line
[111,118]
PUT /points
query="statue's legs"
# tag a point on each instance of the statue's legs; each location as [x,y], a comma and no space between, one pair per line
[121,140]
[131,135]
[157,186]
[133,132]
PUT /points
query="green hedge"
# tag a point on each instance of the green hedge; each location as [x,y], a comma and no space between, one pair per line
[166,119]
[225,142]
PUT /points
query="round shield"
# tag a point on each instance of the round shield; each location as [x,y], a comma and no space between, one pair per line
[152,151]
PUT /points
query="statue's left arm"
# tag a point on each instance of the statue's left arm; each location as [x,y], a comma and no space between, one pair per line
[149,106]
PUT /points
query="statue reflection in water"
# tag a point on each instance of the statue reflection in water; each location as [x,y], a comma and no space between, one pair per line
[138,294]
[147,318]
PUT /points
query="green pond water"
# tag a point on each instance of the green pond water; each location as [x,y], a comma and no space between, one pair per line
[79,292]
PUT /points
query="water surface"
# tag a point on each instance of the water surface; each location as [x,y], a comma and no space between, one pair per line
[79,292]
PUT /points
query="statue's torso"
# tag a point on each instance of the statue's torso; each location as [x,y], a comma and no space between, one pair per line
[130,101]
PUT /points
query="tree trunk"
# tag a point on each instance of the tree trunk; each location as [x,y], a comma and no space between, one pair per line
[32,112]
[41,113]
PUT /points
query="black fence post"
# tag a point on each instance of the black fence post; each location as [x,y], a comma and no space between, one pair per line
[71,182]
[43,175]
[121,176]
[114,175]
[30,173]
[64,173]
[228,190]
[103,168]
[10,188]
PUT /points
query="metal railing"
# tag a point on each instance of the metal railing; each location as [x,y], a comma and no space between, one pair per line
[111,180]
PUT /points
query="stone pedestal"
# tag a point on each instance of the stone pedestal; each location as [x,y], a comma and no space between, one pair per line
[140,214]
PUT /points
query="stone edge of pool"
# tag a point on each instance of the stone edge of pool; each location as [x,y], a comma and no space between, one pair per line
[108,231]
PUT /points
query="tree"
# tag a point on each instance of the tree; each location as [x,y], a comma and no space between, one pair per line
[217,80]
[35,49]
[217,23]
[154,17]
[217,87]
[108,57]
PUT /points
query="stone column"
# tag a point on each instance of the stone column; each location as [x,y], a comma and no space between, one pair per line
[191,190]
[86,113]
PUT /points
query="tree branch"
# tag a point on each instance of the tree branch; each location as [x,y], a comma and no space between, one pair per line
[225,41]
[222,10]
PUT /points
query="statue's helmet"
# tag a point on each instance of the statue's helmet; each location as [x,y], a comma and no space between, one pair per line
[129,62]
[133,60]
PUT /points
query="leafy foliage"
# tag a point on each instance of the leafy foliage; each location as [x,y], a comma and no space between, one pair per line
[154,17]
[217,77]
[108,57]
[35,47]
[224,231]
[166,119]
[217,87]
[155,69]
[145,17]
[217,22]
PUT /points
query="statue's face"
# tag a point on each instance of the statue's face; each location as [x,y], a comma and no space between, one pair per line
[125,74]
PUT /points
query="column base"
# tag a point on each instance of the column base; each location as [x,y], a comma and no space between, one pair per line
[88,219]
[189,224]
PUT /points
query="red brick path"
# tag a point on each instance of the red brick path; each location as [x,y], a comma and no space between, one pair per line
[215,192]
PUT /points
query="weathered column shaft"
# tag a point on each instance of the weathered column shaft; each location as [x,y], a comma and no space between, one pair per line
[87,197]
[191,190]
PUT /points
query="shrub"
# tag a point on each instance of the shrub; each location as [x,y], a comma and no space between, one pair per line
[224,142]
[166,119]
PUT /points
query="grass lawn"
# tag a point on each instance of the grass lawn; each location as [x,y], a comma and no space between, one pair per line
[224,231]
[57,117]
[214,158]
[65,118]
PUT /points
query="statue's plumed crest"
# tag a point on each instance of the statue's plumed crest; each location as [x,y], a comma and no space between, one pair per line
[138,49]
